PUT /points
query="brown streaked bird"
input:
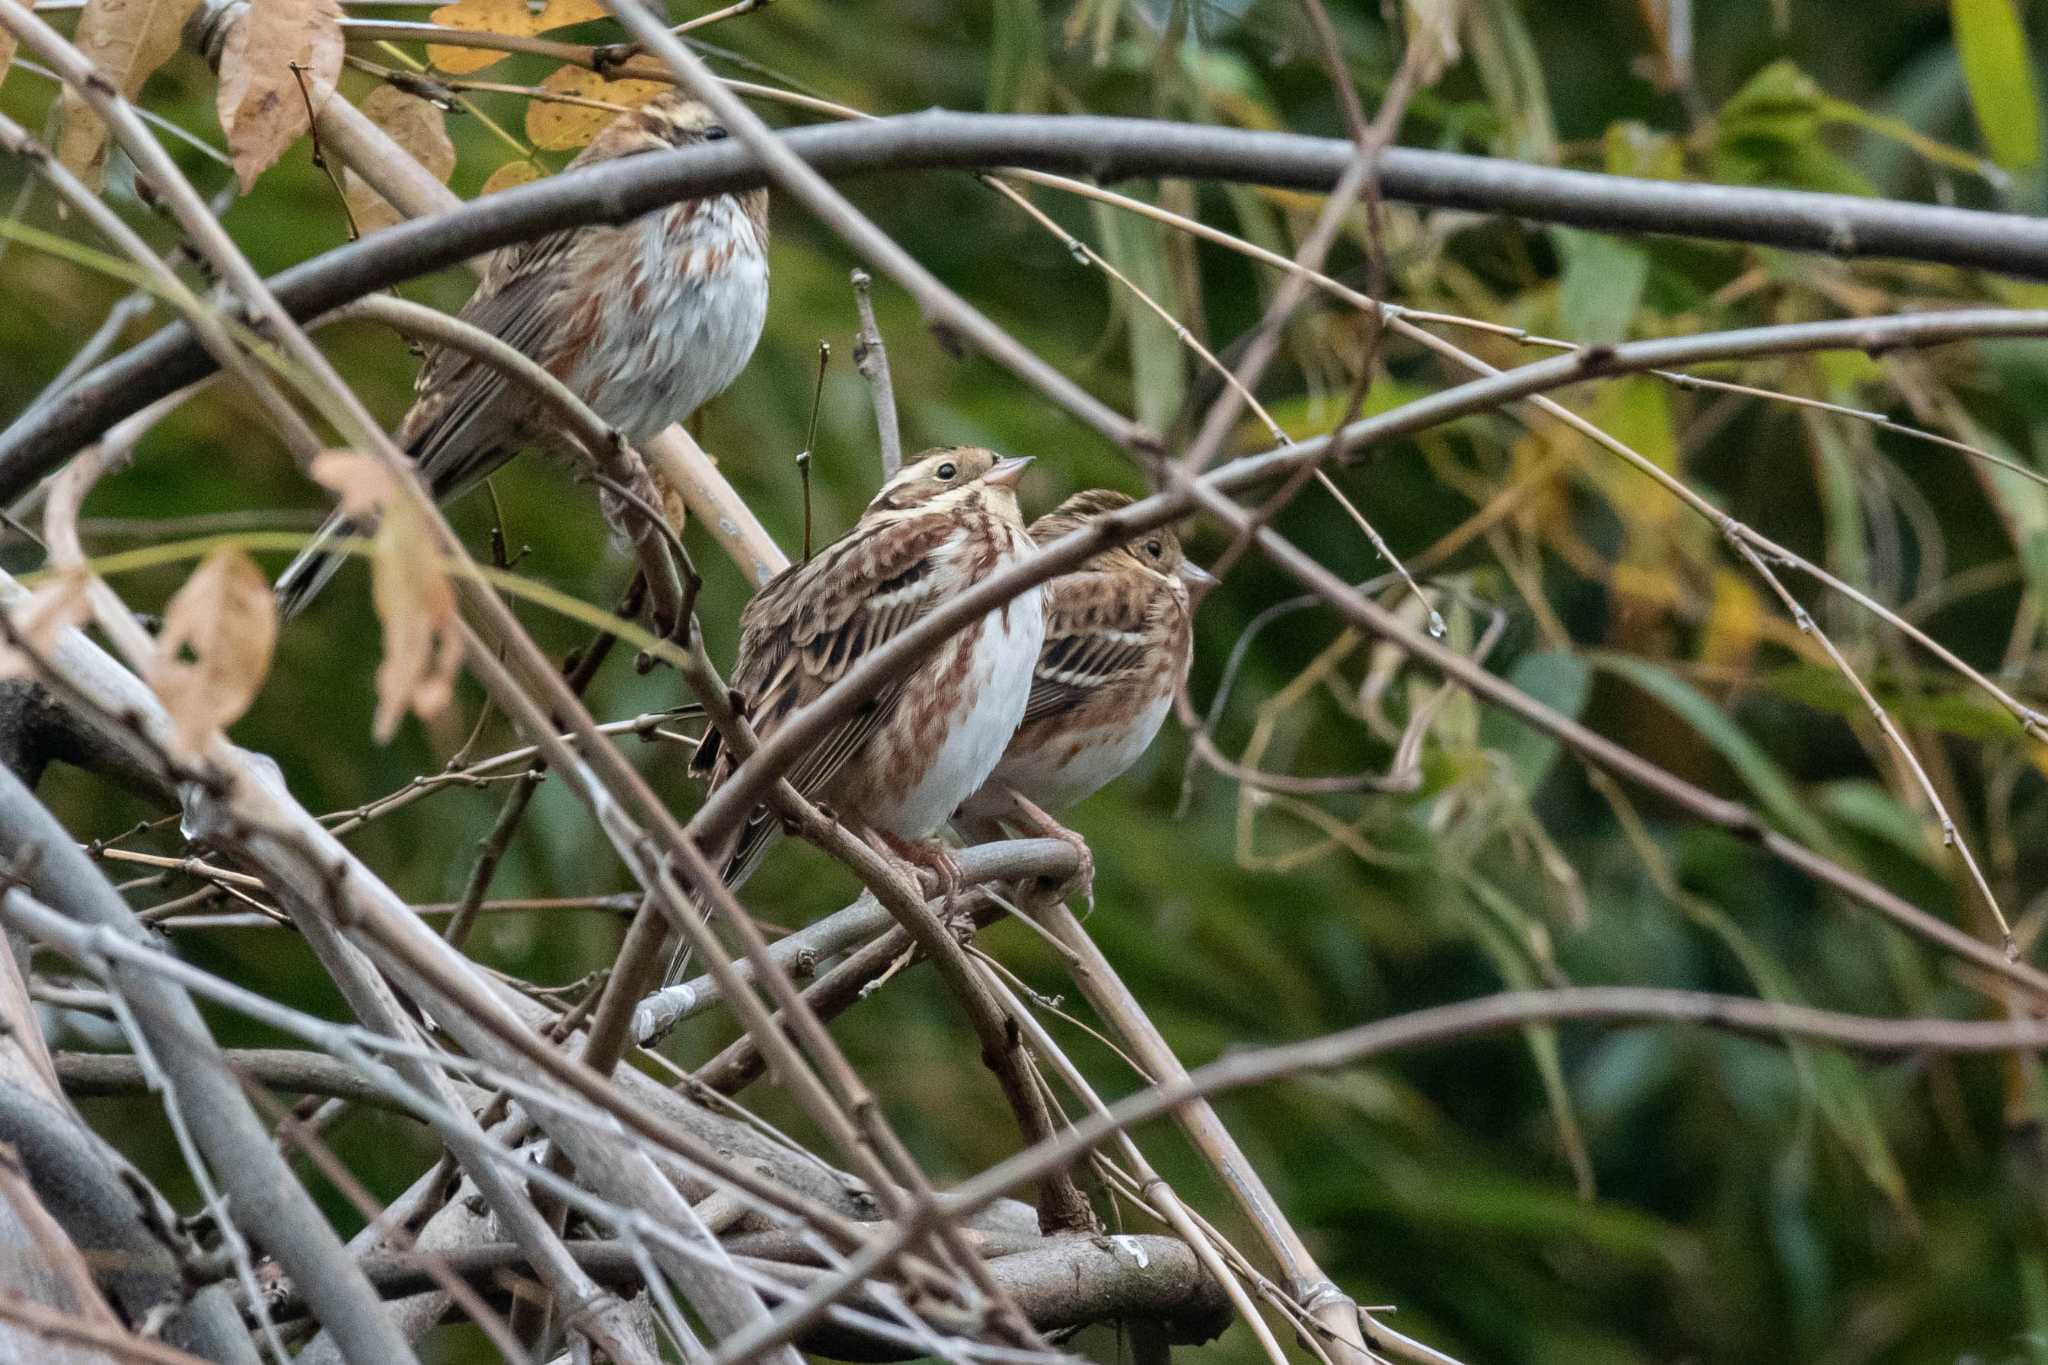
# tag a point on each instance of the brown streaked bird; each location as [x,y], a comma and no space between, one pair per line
[645,321]
[899,766]
[1118,639]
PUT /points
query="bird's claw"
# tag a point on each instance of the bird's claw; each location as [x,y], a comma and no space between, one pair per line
[927,856]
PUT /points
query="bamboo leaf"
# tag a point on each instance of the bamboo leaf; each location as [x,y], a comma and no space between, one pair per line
[1992,45]
[1781,800]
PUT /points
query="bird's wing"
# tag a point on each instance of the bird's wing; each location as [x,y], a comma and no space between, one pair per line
[801,634]
[469,414]
[1098,632]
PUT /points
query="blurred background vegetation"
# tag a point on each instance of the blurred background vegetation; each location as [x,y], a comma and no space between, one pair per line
[1589,1197]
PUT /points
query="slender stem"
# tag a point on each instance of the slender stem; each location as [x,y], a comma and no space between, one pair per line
[871,358]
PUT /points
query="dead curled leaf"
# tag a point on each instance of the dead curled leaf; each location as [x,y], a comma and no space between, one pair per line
[362,482]
[214,649]
[422,634]
[127,40]
[270,50]
[420,128]
[59,602]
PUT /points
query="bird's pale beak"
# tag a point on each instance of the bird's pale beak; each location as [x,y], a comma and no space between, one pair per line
[1007,472]
[1195,576]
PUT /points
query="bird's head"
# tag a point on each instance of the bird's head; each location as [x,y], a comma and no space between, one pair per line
[1157,551]
[955,477]
[670,119]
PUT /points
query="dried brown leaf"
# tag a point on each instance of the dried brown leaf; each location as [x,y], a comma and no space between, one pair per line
[7,40]
[362,482]
[126,40]
[61,601]
[262,104]
[510,174]
[478,16]
[214,650]
[562,13]
[419,127]
[422,634]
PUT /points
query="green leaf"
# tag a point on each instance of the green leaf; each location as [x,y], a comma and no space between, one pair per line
[1965,712]
[1780,799]
[1992,44]
[1602,285]
[1560,681]
[1136,247]
[1017,76]
[1769,133]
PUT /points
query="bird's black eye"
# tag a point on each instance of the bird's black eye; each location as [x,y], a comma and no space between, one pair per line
[715,133]
[1154,548]
[947,470]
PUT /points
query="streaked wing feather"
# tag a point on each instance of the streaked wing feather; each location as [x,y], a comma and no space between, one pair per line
[1094,636]
[479,410]
[814,622]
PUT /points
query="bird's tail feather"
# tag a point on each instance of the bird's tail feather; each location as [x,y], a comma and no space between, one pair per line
[755,837]
[305,576]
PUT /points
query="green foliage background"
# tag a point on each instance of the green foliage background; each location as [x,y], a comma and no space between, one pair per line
[1588,1197]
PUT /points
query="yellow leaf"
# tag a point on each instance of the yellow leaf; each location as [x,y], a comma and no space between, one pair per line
[416,125]
[214,650]
[126,40]
[562,127]
[632,94]
[478,16]
[422,635]
[563,13]
[1734,624]
[280,62]
[58,603]
[558,127]
[510,174]
[362,482]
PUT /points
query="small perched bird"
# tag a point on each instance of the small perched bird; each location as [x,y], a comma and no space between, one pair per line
[1118,639]
[901,764]
[646,322]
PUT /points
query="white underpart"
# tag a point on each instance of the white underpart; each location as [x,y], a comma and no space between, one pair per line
[998,686]
[656,364]
[1106,753]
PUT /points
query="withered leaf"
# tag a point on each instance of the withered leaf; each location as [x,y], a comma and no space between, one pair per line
[362,482]
[214,650]
[127,40]
[62,601]
[262,104]
[422,635]
[478,16]
[416,125]
[7,39]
